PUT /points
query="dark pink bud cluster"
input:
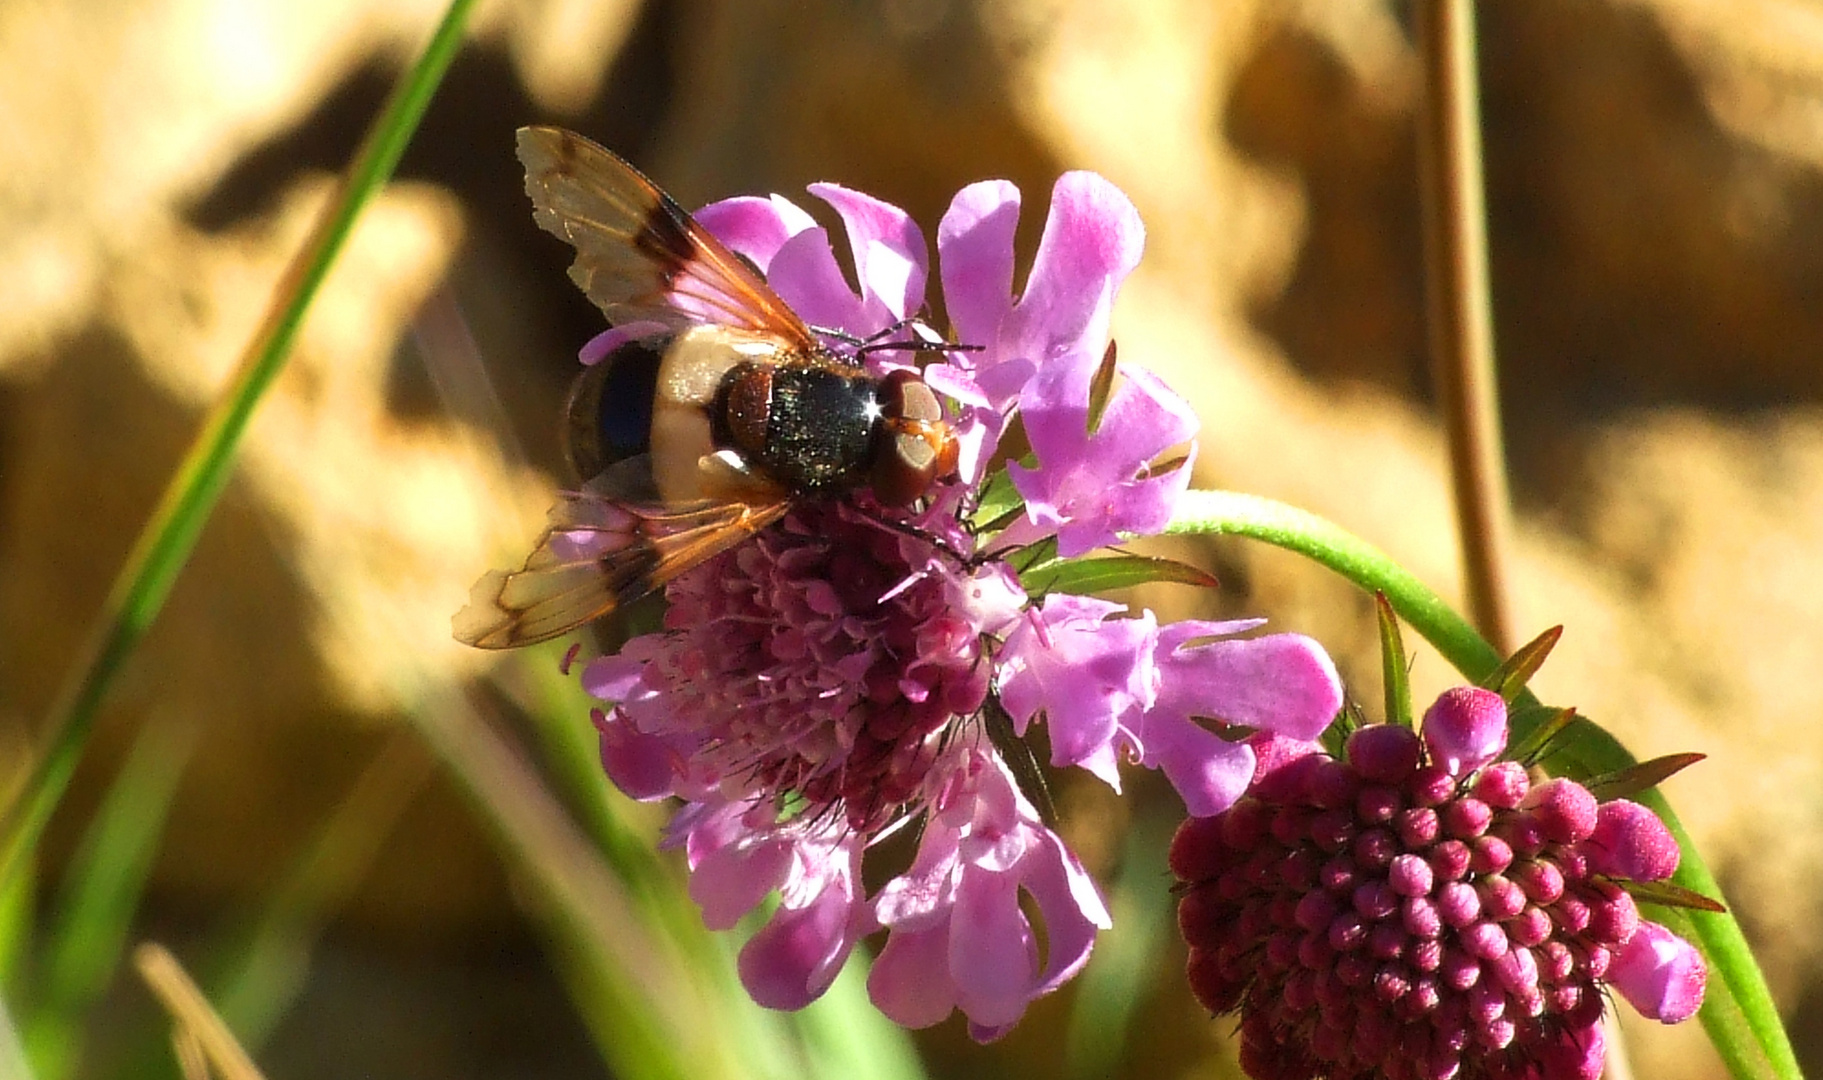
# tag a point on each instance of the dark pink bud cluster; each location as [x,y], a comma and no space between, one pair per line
[1381,916]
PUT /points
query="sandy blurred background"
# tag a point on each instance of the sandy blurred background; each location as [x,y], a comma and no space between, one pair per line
[1655,175]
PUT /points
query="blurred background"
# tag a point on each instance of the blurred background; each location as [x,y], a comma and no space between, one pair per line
[287,743]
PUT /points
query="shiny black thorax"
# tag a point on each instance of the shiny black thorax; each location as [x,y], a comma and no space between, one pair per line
[810,425]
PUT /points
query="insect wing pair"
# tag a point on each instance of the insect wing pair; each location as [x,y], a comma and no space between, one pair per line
[720,411]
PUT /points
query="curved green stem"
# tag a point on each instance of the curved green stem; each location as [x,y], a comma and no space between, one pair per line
[164,545]
[1738,1011]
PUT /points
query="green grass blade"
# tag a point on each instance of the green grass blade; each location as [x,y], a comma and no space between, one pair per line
[164,545]
[1738,1012]
[631,988]
[262,972]
[843,1035]
[100,893]
[12,1052]
[1114,985]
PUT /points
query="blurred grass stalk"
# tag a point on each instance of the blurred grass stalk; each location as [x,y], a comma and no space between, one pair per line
[169,536]
[100,892]
[1461,307]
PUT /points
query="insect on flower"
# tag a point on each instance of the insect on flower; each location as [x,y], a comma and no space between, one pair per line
[715,410]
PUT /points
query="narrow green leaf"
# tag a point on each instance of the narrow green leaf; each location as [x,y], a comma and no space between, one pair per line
[165,543]
[1738,1011]
[1535,728]
[1665,894]
[1393,673]
[1018,756]
[1035,555]
[100,892]
[1628,782]
[1093,574]
[263,967]
[1101,387]
[998,506]
[1516,670]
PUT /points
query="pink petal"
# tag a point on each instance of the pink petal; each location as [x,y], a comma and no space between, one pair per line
[1660,974]
[795,956]
[754,227]
[1084,671]
[891,259]
[1208,772]
[975,244]
[805,275]
[1092,240]
[643,767]
[1070,905]
[1281,683]
[910,980]
[992,951]
[1465,729]
[599,346]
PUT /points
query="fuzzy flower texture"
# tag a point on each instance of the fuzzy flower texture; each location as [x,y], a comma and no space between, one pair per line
[1417,909]
[834,679]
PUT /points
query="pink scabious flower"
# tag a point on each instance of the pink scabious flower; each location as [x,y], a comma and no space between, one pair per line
[1416,909]
[836,676]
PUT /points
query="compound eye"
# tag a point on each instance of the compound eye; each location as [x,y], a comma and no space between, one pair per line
[904,396]
[906,470]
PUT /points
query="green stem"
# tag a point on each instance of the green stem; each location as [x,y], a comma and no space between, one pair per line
[1738,1011]
[164,545]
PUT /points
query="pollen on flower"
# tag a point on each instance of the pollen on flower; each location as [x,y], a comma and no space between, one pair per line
[1413,911]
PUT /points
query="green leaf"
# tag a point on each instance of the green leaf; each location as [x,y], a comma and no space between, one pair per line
[1534,728]
[1018,756]
[1393,673]
[998,505]
[1101,388]
[165,543]
[1628,782]
[1092,574]
[100,892]
[1515,671]
[1665,894]
[1031,557]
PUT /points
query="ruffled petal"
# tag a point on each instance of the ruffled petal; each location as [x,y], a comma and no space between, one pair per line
[1092,240]
[1282,683]
[975,247]
[890,256]
[753,226]
[1085,672]
[910,979]
[643,767]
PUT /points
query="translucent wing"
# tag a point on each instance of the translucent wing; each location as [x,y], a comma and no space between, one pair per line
[596,555]
[639,255]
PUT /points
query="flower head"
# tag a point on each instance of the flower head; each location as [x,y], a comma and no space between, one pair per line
[827,681]
[1415,908]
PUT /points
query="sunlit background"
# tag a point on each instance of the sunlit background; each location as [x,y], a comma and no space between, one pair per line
[1655,181]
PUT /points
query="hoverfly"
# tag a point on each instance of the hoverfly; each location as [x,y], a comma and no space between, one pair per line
[720,412]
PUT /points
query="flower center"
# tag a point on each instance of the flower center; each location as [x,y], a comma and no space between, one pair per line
[1374,917]
[820,659]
